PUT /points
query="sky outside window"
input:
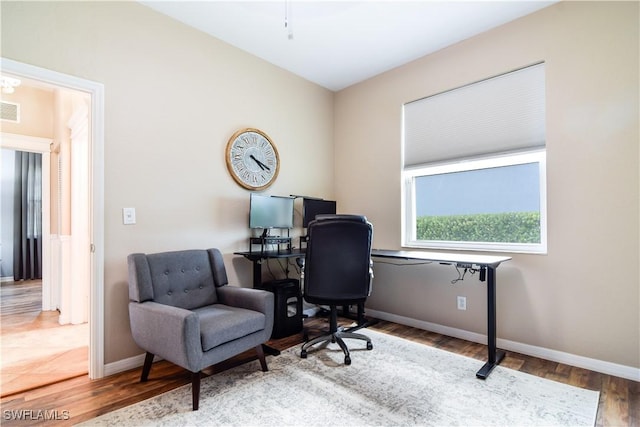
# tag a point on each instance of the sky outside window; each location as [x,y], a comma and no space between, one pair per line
[513,188]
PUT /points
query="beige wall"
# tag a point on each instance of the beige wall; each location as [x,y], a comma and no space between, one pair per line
[173,97]
[583,296]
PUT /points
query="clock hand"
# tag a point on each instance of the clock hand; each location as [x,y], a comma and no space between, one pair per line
[257,161]
[265,166]
[262,165]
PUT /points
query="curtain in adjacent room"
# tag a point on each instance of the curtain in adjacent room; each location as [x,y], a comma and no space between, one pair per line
[27,245]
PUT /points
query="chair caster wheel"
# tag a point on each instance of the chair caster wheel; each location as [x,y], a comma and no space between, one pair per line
[369,346]
[303,354]
[347,360]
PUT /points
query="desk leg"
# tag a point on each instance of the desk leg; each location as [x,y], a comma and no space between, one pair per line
[495,355]
[362,321]
[257,273]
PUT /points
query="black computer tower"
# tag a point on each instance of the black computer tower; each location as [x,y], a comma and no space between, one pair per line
[288,306]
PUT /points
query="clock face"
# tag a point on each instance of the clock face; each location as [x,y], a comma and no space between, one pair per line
[252,159]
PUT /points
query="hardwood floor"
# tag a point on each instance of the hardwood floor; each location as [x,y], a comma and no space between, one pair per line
[80,399]
[36,349]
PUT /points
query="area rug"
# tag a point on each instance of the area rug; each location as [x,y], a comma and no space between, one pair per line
[398,383]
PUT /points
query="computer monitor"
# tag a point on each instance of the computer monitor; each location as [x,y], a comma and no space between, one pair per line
[270,211]
[313,207]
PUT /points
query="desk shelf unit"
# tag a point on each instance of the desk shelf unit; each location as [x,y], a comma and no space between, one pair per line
[283,243]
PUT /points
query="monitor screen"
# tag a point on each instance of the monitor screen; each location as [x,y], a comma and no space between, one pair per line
[313,207]
[270,211]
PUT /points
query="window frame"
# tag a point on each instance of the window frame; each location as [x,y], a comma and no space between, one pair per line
[410,174]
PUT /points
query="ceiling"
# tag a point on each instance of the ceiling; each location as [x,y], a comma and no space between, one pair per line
[339,43]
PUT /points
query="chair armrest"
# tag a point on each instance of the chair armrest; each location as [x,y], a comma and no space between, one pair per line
[249,298]
[172,333]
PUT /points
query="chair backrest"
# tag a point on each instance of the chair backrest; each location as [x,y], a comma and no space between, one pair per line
[185,279]
[337,266]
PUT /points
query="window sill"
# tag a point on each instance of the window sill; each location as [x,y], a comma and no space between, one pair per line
[506,248]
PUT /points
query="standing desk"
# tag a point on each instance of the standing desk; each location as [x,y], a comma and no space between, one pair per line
[487,265]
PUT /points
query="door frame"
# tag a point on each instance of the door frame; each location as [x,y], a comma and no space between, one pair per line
[96,185]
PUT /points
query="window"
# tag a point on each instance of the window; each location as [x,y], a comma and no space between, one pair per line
[494,203]
[475,166]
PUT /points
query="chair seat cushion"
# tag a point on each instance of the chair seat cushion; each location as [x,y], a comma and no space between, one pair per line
[221,323]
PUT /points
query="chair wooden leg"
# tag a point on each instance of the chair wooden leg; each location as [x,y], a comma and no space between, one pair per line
[263,361]
[146,368]
[195,389]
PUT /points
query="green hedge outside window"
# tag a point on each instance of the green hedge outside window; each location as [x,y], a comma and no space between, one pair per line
[512,227]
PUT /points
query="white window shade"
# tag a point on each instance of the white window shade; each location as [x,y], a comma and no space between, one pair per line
[500,114]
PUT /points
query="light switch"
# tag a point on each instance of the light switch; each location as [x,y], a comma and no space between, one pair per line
[128,216]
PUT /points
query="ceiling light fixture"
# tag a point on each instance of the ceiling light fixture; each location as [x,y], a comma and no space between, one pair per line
[9,84]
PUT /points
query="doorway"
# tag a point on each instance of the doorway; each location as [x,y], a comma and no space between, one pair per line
[92,208]
[44,333]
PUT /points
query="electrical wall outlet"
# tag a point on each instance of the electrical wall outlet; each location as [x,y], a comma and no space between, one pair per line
[462,303]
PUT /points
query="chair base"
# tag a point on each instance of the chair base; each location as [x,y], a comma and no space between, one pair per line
[336,334]
[338,337]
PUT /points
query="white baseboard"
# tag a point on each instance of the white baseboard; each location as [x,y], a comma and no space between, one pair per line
[6,279]
[123,365]
[601,366]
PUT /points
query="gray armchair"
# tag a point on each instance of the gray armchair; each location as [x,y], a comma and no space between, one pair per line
[182,309]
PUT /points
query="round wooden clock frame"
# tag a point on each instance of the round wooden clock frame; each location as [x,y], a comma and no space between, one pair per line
[252,159]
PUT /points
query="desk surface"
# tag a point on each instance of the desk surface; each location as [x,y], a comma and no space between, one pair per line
[444,257]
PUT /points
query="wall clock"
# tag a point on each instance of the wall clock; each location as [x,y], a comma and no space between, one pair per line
[252,159]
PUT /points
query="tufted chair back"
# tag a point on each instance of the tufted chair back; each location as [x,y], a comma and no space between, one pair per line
[186,279]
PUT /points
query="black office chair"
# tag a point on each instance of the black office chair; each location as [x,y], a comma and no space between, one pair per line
[338,271]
